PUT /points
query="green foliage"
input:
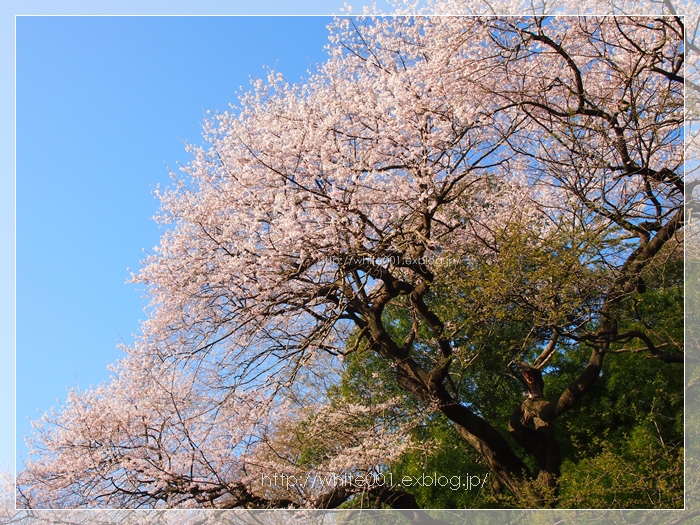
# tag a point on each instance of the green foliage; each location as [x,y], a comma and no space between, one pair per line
[441,452]
[530,279]
[451,475]
[637,472]
[622,444]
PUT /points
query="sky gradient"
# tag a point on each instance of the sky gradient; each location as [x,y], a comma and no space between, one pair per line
[104,108]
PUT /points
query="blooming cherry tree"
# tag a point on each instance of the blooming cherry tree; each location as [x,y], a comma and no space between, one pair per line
[425,158]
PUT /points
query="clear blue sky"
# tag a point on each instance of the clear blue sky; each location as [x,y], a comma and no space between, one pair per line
[103,108]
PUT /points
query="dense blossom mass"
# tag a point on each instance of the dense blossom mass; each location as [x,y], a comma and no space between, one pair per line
[450,210]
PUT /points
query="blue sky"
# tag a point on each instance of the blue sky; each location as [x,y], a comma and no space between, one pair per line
[104,106]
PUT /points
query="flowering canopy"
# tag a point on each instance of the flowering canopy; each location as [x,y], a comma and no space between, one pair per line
[525,170]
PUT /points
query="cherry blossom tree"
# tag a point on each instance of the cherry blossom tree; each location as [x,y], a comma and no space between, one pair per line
[147,440]
[468,175]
